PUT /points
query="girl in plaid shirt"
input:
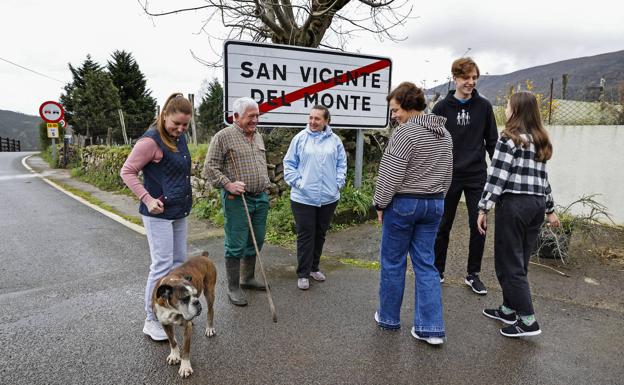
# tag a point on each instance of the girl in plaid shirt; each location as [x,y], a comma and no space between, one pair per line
[518,184]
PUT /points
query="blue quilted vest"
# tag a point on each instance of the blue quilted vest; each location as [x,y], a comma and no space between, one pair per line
[170,179]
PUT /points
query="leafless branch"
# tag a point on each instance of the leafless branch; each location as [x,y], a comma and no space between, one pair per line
[144,6]
[373,4]
[307,23]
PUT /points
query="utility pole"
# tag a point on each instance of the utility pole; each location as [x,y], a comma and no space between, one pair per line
[191,98]
[122,122]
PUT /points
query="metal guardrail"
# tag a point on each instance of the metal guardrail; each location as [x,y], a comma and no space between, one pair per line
[9,145]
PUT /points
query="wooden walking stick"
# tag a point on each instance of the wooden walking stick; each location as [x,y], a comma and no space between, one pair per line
[253,237]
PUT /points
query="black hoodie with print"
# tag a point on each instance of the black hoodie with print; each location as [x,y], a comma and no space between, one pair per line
[473,129]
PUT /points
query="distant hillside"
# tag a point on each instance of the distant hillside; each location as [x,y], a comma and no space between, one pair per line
[15,125]
[584,76]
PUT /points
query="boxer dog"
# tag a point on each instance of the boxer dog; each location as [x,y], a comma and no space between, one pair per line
[176,302]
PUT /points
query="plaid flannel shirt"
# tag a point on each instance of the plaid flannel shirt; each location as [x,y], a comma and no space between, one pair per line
[514,170]
[249,159]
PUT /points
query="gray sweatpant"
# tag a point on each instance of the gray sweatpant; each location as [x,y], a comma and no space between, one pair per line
[167,244]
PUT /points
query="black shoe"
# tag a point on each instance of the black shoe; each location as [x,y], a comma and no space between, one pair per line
[441,278]
[498,314]
[520,329]
[475,284]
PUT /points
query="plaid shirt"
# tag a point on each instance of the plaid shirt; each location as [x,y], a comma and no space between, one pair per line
[514,170]
[249,159]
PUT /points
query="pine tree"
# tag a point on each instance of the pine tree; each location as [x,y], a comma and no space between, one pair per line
[96,105]
[136,101]
[78,81]
[211,110]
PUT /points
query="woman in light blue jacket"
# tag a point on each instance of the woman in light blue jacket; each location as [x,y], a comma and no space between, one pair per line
[315,168]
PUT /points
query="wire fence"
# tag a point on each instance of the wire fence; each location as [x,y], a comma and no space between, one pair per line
[599,103]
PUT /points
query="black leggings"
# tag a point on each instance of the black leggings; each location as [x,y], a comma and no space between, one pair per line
[312,223]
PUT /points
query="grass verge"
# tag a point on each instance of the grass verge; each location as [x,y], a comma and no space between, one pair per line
[93,200]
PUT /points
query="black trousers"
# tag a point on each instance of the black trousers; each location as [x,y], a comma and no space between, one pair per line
[472,188]
[518,220]
[311,223]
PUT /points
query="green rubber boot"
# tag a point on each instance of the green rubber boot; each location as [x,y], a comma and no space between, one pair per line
[248,270]
[235,293]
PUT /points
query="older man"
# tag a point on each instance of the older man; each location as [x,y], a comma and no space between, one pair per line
[236,163]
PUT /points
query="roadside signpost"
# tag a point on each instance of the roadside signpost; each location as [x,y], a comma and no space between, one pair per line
[52,113]
[288,81]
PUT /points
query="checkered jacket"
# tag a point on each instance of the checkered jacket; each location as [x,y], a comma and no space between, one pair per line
[231,157]
[514,170]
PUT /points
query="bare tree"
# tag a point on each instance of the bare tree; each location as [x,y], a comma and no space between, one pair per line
[303,23]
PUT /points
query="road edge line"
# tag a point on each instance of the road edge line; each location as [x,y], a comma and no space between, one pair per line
[113,216]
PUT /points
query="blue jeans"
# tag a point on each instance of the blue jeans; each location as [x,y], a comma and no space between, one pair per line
[167,244]
[410,225]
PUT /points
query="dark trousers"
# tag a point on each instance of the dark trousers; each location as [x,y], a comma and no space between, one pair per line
[518,219]
[311,223]
[472,188]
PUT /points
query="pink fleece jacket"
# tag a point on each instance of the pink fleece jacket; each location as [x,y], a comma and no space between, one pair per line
[144,151]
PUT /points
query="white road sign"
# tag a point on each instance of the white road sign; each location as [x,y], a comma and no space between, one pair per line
[51,111]
[287,81]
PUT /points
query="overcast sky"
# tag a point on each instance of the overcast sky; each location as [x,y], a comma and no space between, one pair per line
[45,36]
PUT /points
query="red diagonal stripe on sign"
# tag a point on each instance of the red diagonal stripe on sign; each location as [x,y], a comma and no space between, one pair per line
[272,104]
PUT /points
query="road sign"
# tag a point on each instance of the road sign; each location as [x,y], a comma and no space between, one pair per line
[288,81]
[51,112]
[53,131]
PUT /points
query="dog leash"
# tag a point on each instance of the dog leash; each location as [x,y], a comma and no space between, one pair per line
[253,237]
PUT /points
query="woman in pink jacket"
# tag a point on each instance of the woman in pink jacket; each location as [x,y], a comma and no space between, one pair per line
[165,194]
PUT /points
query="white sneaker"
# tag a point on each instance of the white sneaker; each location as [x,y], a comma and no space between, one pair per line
[154,330]
[303,283]
[318,276]
[429,340]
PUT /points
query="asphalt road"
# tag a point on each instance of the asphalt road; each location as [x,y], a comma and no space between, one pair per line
[71,300]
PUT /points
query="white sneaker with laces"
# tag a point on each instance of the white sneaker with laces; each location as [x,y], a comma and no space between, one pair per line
[429,340]
[318,276]
[154,330]
[303,283]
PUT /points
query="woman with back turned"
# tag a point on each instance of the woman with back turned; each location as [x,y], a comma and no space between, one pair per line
[518,184]
[414,175]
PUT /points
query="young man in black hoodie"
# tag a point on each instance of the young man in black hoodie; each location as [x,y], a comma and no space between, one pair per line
[471,122]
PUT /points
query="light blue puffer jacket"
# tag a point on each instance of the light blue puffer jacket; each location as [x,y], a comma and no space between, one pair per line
[315,167]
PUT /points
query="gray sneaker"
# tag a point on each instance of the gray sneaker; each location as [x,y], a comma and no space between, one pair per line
[318,276]
[303,283]
[154,330]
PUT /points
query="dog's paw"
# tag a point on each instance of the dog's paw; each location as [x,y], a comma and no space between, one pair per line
[174,357]
[210,332]
[185,369]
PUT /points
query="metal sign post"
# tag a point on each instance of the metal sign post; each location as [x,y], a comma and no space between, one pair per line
[359,159]
[53,132]
[52,113]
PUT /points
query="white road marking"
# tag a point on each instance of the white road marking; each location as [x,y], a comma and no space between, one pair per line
[115,217]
